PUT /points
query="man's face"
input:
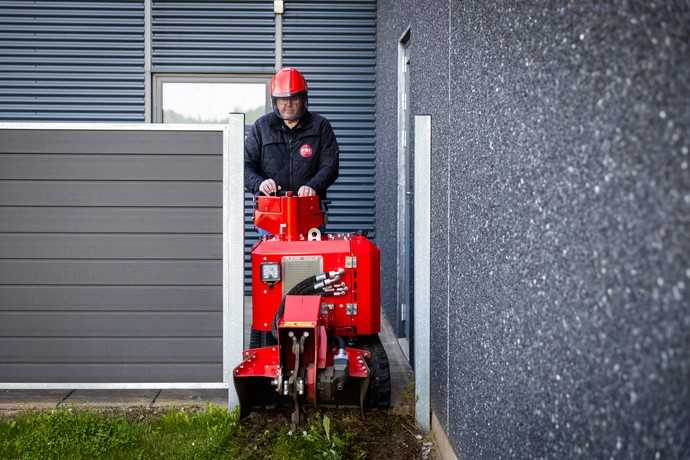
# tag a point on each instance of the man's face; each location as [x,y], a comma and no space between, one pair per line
[290,108]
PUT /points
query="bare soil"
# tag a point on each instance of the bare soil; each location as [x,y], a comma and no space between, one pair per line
[382,434]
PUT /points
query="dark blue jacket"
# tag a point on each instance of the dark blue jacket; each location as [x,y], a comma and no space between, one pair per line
[305,155]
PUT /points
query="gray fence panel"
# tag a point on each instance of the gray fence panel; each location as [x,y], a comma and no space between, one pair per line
[108,373]
[55,246]
[120,142]
[106,350]
[107,167]
[72,61]
[109,220]
[109,298]
[111,324]
[110,256]
[106,272]
[111,193]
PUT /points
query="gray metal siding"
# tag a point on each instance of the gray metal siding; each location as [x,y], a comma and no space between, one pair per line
[334,44]
[72,61]
[213,37]
[110,256]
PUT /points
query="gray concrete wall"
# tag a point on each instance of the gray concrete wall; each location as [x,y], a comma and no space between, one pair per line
[560,216]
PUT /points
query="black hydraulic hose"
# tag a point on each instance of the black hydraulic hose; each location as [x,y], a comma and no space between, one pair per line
[311,285]
[340,340]
[276,318]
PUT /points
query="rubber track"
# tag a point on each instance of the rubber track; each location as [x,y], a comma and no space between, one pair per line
[379,394]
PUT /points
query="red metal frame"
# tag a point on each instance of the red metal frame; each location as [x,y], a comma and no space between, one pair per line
[301,314]
[355,312]
[259,362]
[363,281]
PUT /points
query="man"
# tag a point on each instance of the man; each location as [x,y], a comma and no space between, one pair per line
[290,149]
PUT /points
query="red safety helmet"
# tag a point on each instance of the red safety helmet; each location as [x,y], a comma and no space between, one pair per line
[288,82]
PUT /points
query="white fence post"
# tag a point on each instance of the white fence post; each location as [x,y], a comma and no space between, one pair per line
[422,268]
[233,251]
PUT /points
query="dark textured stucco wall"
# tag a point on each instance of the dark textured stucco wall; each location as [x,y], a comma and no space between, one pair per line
[561,203]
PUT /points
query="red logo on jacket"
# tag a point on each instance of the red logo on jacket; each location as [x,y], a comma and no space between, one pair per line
[305,151]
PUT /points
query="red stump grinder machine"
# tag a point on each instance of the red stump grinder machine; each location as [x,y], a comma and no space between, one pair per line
[316,314]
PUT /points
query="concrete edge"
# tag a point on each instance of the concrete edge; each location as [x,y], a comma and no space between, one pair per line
[31,400]
[443,445]
[402,399]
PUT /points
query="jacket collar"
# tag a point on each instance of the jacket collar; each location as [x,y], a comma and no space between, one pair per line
[304,123]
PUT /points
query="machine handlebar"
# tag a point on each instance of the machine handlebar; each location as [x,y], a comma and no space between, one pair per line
[288,216]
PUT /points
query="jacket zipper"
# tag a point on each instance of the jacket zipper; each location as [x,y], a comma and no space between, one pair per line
[290,161]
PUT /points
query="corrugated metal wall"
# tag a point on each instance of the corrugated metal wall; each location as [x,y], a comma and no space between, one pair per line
[72,61]
[334,44]
[212,37]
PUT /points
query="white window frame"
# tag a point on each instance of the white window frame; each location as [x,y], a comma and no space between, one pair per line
[161,78]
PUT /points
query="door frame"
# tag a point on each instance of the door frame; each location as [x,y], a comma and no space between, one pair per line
[404,308]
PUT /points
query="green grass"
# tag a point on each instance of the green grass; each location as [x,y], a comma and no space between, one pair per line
[177,434]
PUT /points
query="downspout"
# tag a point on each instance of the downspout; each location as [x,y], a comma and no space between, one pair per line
[278,9]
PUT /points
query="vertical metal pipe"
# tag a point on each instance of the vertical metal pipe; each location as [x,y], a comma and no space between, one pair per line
[147,61]
[278,10]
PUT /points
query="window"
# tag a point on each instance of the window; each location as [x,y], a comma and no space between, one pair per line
[209,99]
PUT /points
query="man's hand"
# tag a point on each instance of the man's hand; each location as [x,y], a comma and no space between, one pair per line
[268,186]
[305,190]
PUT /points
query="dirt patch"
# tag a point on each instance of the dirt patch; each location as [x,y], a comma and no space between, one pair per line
[383,434]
